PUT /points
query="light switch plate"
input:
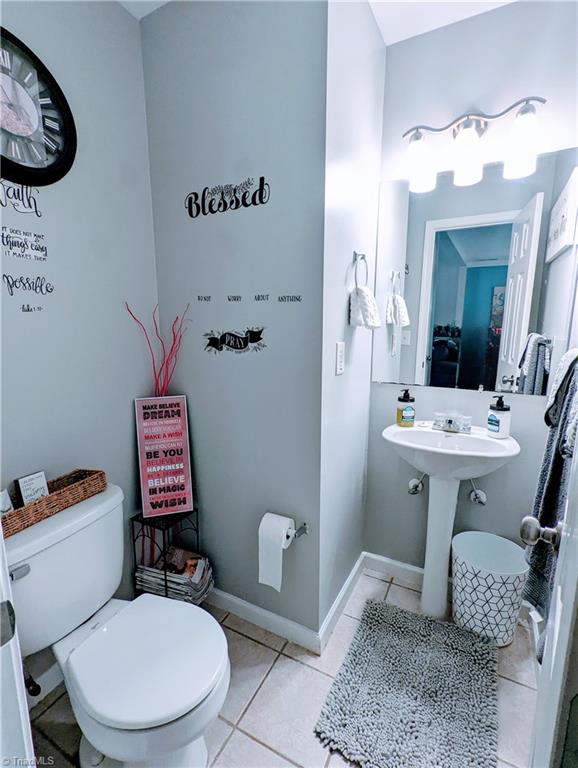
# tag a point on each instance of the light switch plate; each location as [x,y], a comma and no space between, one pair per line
[405,338]
[339,358]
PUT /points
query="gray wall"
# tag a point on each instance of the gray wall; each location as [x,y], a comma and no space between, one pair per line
[71,372]
[237,90]
[432,78]
[355,78]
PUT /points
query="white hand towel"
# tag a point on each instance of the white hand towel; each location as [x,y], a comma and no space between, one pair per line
[396,311]
[363,309]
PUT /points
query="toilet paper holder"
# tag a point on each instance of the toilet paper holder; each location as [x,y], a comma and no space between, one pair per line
[303,529]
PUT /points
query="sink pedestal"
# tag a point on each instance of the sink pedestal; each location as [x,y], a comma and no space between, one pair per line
[443,497]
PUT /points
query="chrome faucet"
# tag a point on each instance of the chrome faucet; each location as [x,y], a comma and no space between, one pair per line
[453,423]
[450,425]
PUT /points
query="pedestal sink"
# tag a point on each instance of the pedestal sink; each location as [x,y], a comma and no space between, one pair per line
[447,457]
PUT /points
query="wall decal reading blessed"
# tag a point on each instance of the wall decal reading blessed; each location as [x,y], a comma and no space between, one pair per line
[232,341]
[227,197]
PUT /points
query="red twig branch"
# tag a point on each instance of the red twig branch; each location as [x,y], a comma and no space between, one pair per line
[163,373]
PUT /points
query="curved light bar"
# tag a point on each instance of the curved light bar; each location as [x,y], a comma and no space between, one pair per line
[482,116]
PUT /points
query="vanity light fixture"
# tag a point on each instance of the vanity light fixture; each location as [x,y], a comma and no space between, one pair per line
[468,130]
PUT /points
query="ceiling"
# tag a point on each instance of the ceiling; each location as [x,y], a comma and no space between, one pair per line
[482,244]
[400,20]
[396,20]
[140,8]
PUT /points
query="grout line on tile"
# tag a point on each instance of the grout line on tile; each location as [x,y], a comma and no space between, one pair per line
[377,578]
[70,760]
[349,616]
[517,682]
[248,704]
[309,666]
[508,763]
[268,746]
[259,642]
[224,744]
[48,707]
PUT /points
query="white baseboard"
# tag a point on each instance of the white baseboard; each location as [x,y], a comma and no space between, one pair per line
[306,637]
[329,622]
[286,628]
[406,574]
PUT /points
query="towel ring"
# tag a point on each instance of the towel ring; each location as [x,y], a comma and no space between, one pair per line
[357,259]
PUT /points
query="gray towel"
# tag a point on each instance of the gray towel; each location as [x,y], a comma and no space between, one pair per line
[550,500]
[534,365]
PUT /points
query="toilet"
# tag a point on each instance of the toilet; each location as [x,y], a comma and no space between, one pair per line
[145,677]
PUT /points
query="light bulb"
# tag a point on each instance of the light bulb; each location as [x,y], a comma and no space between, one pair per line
[421,172]
[468,165]
[522,148]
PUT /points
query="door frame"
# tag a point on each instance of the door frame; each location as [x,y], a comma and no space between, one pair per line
[432,227]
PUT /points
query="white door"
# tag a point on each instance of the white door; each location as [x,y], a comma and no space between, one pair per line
[519,289]
[560,631]
[15,735]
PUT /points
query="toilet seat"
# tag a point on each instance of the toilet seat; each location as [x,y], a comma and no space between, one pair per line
[147,664]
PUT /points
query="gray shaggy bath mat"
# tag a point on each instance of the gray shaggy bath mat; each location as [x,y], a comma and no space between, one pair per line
[413,692]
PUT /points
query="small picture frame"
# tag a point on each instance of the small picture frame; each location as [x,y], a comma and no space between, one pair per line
[32,487]
[5,502]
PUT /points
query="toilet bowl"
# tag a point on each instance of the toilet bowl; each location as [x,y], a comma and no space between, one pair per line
[145,677]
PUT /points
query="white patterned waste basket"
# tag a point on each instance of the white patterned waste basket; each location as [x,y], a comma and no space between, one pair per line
[488,576]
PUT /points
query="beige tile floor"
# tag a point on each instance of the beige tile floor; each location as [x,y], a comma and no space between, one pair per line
[277,691]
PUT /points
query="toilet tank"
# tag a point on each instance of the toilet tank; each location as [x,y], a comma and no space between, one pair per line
[65,568]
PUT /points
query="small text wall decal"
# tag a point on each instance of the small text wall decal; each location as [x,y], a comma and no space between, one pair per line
[227,197]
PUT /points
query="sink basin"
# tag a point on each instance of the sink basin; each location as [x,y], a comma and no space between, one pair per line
[447,458]
[450,455]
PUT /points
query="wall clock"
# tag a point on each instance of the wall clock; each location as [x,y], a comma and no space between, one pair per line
[37,132]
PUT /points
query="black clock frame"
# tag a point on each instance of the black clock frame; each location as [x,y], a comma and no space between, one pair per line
[40,177]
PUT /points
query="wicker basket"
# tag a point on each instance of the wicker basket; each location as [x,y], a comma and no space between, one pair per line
[63,492]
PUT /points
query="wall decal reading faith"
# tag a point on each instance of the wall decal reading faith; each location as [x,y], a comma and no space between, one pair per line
[232,341]
[227,197]
[20,197]
[164,457]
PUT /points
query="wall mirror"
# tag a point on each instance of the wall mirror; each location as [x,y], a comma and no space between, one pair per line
[488,275]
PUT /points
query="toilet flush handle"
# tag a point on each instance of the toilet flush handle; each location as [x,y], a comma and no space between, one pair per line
[19,572]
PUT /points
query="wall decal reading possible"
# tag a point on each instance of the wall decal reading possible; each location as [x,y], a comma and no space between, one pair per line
[228,197]
[231,341]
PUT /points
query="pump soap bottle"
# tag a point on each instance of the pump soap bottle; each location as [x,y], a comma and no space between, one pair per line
[405,410]
[499,418]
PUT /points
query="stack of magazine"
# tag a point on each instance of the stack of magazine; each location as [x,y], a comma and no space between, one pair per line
[180,574]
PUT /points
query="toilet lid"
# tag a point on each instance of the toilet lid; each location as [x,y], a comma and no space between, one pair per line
[149,664]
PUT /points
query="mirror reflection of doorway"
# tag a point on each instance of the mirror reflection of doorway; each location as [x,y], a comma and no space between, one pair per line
[468,295]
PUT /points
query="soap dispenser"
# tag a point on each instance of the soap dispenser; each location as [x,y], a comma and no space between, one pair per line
[405,410]
[499,418]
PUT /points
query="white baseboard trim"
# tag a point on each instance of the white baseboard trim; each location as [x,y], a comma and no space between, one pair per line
[306,637]
[286,628]
[406,574]
[329,622]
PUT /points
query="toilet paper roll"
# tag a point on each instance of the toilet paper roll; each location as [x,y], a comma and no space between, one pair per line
[276,532]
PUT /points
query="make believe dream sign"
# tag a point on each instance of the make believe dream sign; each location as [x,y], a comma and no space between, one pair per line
[164,456]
